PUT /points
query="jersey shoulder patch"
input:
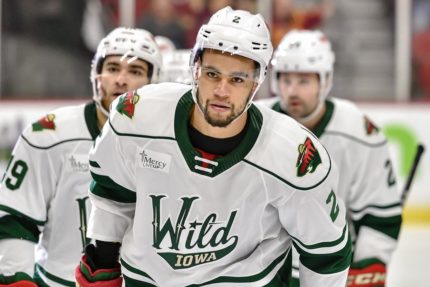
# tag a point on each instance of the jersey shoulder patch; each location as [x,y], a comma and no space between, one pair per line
[148,111]
[352,123]
[290,152]
[62,124]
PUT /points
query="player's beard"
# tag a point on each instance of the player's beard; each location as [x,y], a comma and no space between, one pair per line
[220,122]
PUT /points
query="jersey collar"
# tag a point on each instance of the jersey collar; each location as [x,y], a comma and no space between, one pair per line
[91,119]
[216,166]
[321,126]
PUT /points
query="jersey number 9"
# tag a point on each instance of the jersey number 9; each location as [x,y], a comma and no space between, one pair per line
[17,173]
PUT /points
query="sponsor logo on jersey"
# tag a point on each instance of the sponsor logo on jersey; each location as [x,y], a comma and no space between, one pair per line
[45,123]
[308,159]
[370,126]
[186,242]
[154,160]
[78,162]
[127,103]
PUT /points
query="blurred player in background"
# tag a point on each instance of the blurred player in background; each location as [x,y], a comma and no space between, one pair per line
[44,192]
[197,186]
[302,72]
[164,44]
[176,67]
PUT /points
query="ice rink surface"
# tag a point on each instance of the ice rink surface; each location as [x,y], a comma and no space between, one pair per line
[410,265]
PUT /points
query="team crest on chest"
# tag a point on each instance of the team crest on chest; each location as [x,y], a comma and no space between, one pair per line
[127,103]
[370,126]
[45,123]
[184,241]
[308,159]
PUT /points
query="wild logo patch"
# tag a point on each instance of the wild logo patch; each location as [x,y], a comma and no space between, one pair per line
[45,123]
[370,126]
[127,104]
[308,159]
[184,241]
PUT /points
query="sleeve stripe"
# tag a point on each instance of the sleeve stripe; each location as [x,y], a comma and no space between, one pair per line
[19,228]
[104,187]
[94,164]
[327,263]
[387,225]
[323,244]
[397,204]
[18,214]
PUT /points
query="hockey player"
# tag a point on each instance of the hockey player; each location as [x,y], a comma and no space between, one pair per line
[176,67]
[44,192]
[302,71]
[200,187]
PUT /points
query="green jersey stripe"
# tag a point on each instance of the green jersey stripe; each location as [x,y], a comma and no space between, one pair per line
[387,225]
[15,212]
[104,187]
[388,206]
[223,279]
[19,228]
[327,263]
[134,270]
[39,269]
[326,243]
[130,282]
[94,164]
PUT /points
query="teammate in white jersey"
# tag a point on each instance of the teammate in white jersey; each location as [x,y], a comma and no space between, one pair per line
[43,194]
[200,187]
[302,77]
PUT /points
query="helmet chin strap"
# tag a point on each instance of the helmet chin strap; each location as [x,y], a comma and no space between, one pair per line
[101,108]
[98,99]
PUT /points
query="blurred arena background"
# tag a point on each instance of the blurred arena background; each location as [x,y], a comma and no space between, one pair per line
[382,62]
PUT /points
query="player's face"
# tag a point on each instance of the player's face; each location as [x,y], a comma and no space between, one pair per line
[299,93]
[225,84]
[119,76]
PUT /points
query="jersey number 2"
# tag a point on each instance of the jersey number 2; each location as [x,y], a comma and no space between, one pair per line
[334,206]
[17,173]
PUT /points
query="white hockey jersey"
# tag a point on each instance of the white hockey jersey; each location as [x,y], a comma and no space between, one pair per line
[45,191]
[186,220]
[367,181]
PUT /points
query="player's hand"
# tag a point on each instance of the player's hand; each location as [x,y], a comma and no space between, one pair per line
[85,277]
[19,279]
[367,273]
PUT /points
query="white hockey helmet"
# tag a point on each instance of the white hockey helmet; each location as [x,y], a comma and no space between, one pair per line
[165,44]
[304,51]
[136,43]
[176,67]
[237,32]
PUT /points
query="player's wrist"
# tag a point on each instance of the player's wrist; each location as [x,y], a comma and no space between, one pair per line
[19,279]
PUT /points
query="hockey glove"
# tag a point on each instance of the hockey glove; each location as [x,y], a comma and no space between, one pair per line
[88,276]
[85,277]
[19,279]
[367,273]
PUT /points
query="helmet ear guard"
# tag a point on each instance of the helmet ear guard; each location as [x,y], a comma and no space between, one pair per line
[126,42]
[236,32]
